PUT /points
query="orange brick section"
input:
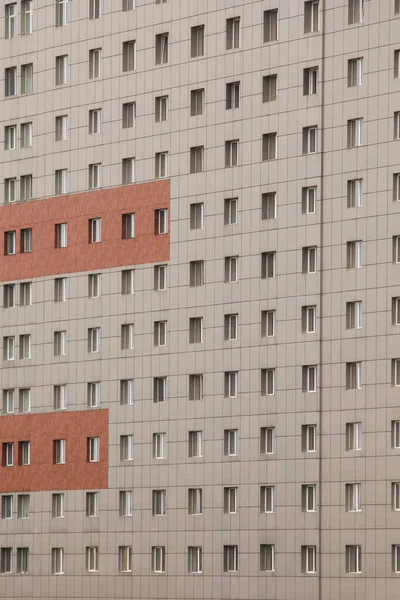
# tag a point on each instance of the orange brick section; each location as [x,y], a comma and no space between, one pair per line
[76,210]
[41,430]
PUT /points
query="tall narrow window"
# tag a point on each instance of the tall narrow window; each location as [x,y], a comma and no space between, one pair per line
[26,187]
[195,387]
[94,340]
[353,559]
[22,560]
[310,81]
[61,232]
[196,102]
[268,323]
[60,397]
[356,11]
[159,503]
[125,503]
[10,21]
[309,319]
[267,557]
[231,559]
[9,348]
[160,278]
[6,560]
[195,501]
[128,337]
[128,56]
[162,49]
[267,499]
[308,559]
[8,401]
[27,79]
[197,41]
[232,95]
[128,281]
[10,81]
[158,559]
[128,171]
[161,110]
[95,176]
[126,391]
[231,327]
[197,272]
[128,115]
[195,559]
[310,140]
[269,146]
[58,506]
[61,181]
[231,500]
[354,72]
[231,442]
[354,254]
[197,159]
[267,382]
[61,69]
[160,333]
[160,389]
[309,497]
[61,128]
[309,200]
[270,26]
[125,559]
[233,33]
[25,345]
[354,193]
[126,447]
[61,13]
[232,153]
[7,507]
[197,215]
[95,121]
[10,137]
[353,436]
[231,211]
[93,394]
[24,451]
[59,452]
[311,16]
[10,190]
[353,375]
[94,449]
[24,400]
[354,133]
[268,265]
[353,497]
[267,440]
[95,63]
[23,506]
[60,343]
[95,9]
[270,88]
[195,444]
[159,445]
[94,285]
[231,384]
[309,259]
[309,378]
[354,315]
[161,165]
[195,330]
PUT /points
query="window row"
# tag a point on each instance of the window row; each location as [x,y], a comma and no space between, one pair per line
[11,458]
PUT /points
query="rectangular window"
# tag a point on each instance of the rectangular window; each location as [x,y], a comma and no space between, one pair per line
[160,278]
[233,33]
[58,506]
[128,226]
[195,387]
[308,559]
[354,72]
[22,560]
[61,128]
[195,559]
[26,240]
[60,397]
[231,211]
[396,558]
[10,135]
[231,269]
[8,401]
[231,442]
[94,449]
[6,560]
[270,88]
[195,444]
[309,319]
[10,238]
[59,452]
[10,187]
[309,438]
[354,193]
[60,343]
[57,561]
[197,215]
[356,11]
[161,159]
[61,181]
[232,95]
[197,41]
[353,497]
[160,389]
[158,559]
[197,272]
[24,346]
[95,231]
[25,293]
[159,445]
[161,111]
[396,495]
[267,498]
[6,507]
[353,559]
[92,559]
[26,135]
[268,202]
[267,557]
[309,378]
[160,333]
[125,559]
[61,69]
[26,187]
[270,26]
[231,327]
[23,506]
[24,401]
[9,348]
[310,139]
[94,121]
[396,7]
[396,249]
[232,153]
[94,285]
[311,16]
[61,13]
[196,330]
[196,102]
[310,81]
[353,436]
[94,340]
[9,295]
[353,375]
[95,10]
[231,384]
[125,503]
[162,49]
[354,133]
[95,176]
[127,336]
[95,63]
[195,501]
[309,498]
[24,452]
[267,440]
[267,382]
[27,79]
[396,434]
[128,281]
[310,259]
[126,391]
[159,503]
[128,4]
[93,394]
[61,235]
[231,500]
[231,559]
[197,159]
[128,115]
[126,447]
[128,56]
[269,146]
[354,315]
[10,21]
[268,265]
[161,221]
[10,81]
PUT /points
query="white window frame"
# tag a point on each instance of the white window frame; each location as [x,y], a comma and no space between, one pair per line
[94,449]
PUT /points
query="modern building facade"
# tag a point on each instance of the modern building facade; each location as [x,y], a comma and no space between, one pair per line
[200,299]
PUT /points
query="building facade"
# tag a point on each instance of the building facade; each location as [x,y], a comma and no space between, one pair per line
[200,297]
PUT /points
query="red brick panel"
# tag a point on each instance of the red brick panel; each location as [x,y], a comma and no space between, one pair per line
[41,430]
[76,210]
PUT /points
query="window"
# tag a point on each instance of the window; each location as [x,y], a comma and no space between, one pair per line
[10,134]
[10,21]
[162,49]
[310,259]
[127,336]
[160,445]
[197,41]
[60,343]
[231,384]
[24,346]
[230,500]
[25,293]
[23,505]
[268,203]
[58,506]
[22,560]
[61,182]
[161,111]
[94,176]
[93,394]
[309,438]
[231,327]
[231,211]
[61,69]
[231,442]
[94,339]
[270,26]
[195,444]
[160,389]
[9,347]
[396,249]
[26,240]
[353,559]
[309,378]
[311,16]
[232,95]
[396,187]
[61,128]
[353,436]
[94,285]
[61,231]
[24,453]
[24,403]
[8,454]
[310,81]
[396,434]
[128,56]
[267,382]
[8,401]
[128,281]
[196,102]
[27,79]
[10,186]
[396,558]
[231,559]
[94,449]
[92,559]
[195,559]
[270,88]
[95,63]
[354,193]
[126,447]
[197,159]
[232,153]
[128,115]
[6,560]
[95,231]
[6,507]
[94,121]
[233,33]
[26,187]
[231,269]
[354,254]
[269,146]
[354,315]
[310,138]
[267,557]
[10,242]
[10,81]
[57,561]
[95,9]
[9,295]
[61,13]
[309,319]
[396,7]
[355,72]
[160,278]
[128,4]
[196,330]
[195,387]
[159,503]
[267,440]
[161,165]
[197,272]
[59,452]
[354,133]
[396,495]
[126,391]
[268,265]
[160,333]
[128,226]
[92,502]
[356,11]
[267,498]
[26,17]
[353,497]
[125,559]
[197,215]
[125,503]
[158,559]
[353,375]
[309,497]
[308,559]
[195,501]
[60,397]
